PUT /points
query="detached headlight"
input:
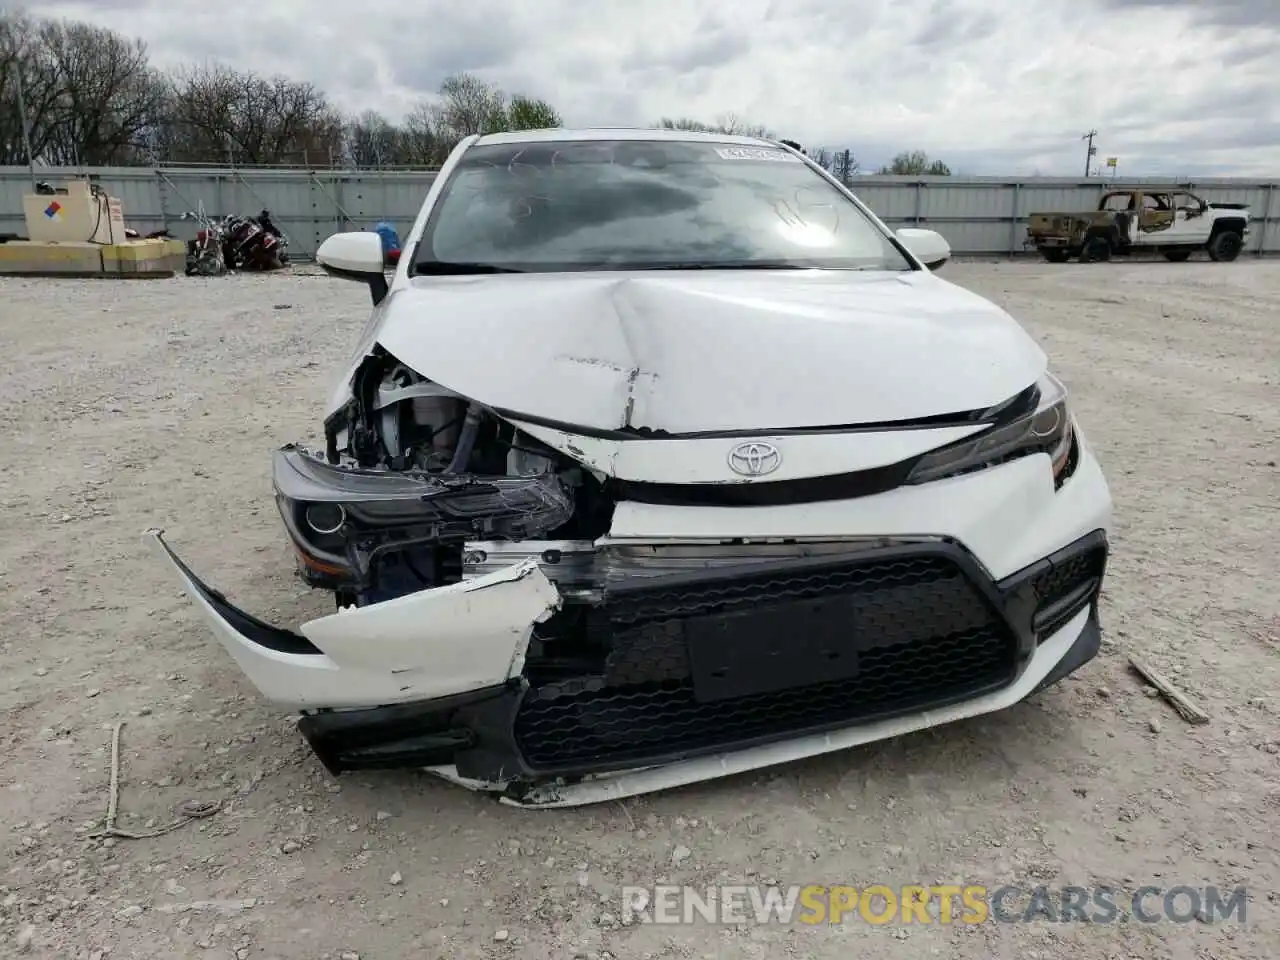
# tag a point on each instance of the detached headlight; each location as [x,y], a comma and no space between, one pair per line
[1046,429]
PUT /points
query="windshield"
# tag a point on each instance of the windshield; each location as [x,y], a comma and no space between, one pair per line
[644,204]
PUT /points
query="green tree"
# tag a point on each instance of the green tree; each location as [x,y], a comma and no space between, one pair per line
[529,113]
[916,163]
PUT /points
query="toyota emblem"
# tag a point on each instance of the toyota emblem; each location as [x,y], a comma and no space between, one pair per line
[754,459]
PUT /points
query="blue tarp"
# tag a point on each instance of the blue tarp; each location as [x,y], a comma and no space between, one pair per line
[390,239]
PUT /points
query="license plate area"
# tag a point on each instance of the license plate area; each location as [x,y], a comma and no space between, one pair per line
[780,646]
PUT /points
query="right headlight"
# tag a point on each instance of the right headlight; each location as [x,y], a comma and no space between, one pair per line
[1045,429]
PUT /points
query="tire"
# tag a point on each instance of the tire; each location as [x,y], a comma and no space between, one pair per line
[1096,248]
[1177,256]
[1055,254]
[1225,246]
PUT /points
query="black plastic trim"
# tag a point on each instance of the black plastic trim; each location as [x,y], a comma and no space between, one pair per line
[250,627]
[467,730]
[1084,649]
[841,486]
[377,282]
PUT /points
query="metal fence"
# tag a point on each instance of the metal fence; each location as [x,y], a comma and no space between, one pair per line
[979,216]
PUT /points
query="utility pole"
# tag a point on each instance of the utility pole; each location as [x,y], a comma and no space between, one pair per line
[1088,157]
[22,121]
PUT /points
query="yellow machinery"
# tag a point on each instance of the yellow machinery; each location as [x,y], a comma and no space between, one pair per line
[77,213]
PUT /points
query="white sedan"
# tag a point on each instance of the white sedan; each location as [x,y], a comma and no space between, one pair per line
[662,458]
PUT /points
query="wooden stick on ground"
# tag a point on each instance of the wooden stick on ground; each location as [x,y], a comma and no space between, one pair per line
[1188,710]
[188,812]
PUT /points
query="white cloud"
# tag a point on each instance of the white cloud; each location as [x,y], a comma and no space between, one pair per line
[991,86]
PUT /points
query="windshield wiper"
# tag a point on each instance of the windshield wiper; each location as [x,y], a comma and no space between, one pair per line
[438,269]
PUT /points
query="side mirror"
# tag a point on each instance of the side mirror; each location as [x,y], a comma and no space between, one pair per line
[355,255]
[928,246]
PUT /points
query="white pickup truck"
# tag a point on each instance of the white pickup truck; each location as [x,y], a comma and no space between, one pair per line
[1174,222]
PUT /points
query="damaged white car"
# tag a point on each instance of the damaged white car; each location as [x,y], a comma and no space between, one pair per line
[662,458]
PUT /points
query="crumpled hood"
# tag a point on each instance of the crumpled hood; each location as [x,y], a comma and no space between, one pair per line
[717,351]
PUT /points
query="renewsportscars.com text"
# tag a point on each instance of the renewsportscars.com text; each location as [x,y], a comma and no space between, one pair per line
[929,904]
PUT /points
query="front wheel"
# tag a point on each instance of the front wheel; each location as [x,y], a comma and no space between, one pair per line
[1054,254]
[1176,256]
[1225,246]
[1096,248]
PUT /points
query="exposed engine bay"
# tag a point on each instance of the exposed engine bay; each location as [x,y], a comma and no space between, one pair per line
[465,479]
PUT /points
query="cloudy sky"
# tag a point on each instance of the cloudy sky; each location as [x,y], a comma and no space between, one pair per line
[990,86]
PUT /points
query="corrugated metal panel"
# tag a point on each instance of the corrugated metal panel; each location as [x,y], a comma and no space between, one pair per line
[977,215]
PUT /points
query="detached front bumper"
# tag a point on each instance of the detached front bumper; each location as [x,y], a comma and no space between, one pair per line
[428,645]
[710,673]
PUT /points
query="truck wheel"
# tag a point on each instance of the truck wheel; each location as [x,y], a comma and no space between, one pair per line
[1096,248]
[1054,254]
[1225,246]
[1176,256]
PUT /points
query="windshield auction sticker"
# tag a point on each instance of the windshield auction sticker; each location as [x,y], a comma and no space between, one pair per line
[754,153]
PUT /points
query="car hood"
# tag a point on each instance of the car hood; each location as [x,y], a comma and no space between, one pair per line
[688,352]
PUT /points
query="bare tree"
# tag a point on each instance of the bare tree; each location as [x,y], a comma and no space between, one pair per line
[92,97]
[844,166]
[727,123]
[371,140]
[822,157]
[108,95]
[22,55]
[468,105]
[219,113]
[421,141]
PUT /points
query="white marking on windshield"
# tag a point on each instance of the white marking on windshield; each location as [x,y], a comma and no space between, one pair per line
[755,153]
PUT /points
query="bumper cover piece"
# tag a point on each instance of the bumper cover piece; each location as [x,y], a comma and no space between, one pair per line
[424,646]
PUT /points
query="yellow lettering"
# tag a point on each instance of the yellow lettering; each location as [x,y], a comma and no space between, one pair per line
[975,900]
[843,900]
[944,894]
[915,905]
[890,905]
[811,900]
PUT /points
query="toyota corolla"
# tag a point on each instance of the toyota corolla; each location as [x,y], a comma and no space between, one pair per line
[661,458]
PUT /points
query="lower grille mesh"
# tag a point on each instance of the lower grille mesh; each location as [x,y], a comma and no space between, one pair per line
[1067,578]
[922,634]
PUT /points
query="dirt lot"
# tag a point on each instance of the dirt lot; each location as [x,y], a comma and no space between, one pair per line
[130,405]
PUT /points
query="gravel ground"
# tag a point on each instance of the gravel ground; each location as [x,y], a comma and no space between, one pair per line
[130,405]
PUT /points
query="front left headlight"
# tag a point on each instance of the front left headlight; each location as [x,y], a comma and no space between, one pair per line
[1045,429]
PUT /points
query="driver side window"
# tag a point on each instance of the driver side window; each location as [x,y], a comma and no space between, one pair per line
[1187,204]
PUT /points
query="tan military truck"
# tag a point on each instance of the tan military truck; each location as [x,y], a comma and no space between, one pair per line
[1170,221]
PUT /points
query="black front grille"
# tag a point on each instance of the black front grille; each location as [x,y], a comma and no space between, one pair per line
[899,632]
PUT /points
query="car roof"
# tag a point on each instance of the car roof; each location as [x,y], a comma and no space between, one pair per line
[618,133]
